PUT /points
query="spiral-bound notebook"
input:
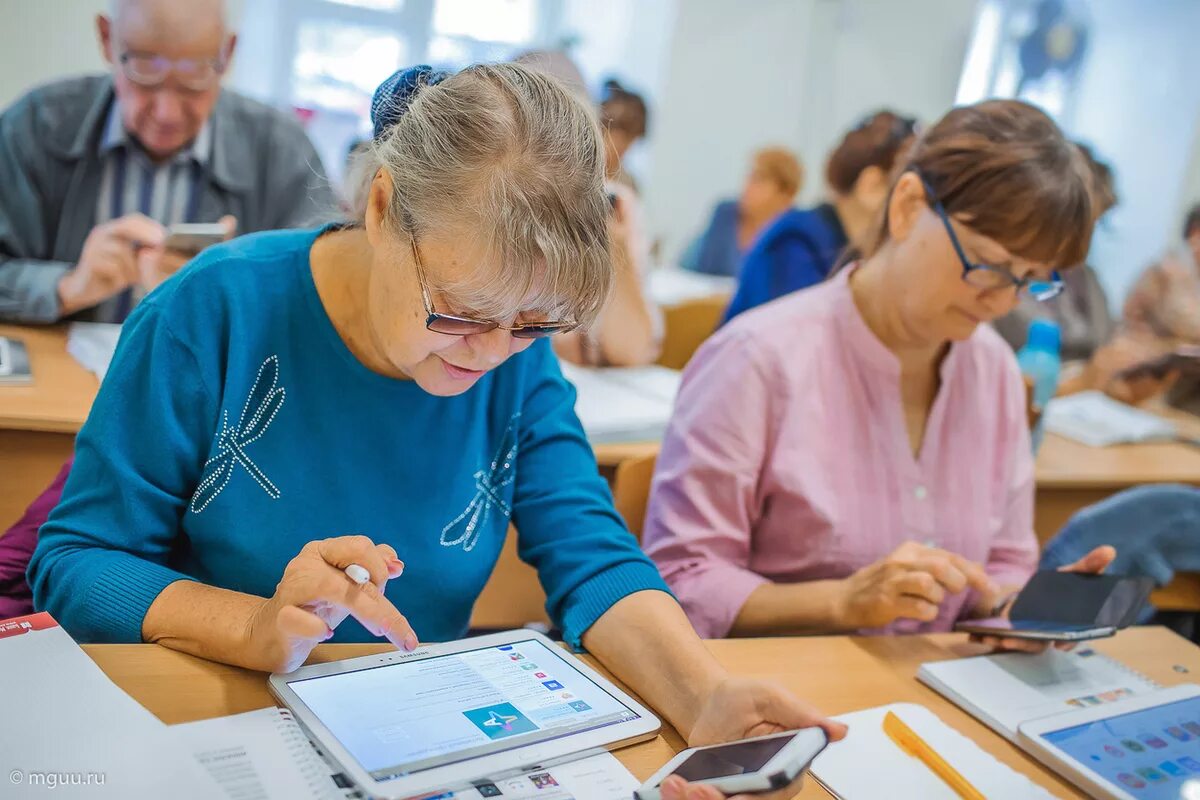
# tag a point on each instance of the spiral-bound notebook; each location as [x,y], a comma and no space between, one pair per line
[1007,689]
[261,755]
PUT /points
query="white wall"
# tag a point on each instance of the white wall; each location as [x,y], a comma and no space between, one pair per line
[42,40]
[797,73]
[734,82]
[1138,104]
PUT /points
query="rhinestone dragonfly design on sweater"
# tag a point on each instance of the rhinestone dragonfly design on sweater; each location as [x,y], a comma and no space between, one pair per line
[489,485]
[262,404]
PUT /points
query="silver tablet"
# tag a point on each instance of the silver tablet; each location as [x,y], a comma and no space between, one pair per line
[1146,747]
[449,715]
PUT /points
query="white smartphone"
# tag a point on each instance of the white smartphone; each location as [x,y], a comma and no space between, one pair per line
[761,764]
[194,237]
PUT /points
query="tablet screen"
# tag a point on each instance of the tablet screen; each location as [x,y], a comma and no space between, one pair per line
[399,719]
[1150,753]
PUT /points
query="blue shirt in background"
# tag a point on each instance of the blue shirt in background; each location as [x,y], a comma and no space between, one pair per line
[716,251]
[234,426]
[798,250]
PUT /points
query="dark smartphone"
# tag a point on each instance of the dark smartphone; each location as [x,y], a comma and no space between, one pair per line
[1068,606]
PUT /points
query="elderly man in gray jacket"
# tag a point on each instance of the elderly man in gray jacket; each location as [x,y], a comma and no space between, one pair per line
[94,169]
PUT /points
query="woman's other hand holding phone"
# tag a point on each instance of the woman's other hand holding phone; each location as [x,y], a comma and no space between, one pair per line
[1094,563]
[742,708]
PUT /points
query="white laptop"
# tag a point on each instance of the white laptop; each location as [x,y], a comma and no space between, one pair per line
[447,716]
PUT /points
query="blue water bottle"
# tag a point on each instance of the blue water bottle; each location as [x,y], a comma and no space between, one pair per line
[1041,362]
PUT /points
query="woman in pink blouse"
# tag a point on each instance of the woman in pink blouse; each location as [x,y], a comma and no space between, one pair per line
[856,456]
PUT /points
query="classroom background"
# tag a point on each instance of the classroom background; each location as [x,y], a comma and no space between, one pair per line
[803,70]
[725,97]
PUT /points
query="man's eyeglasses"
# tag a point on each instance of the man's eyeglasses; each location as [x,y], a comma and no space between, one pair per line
[452,325]
[985,276]
[151,71]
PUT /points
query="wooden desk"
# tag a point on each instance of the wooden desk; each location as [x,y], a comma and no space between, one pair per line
[38,423]
[838,673]
[1071,476]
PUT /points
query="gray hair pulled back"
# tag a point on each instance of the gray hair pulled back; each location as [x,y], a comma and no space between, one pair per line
[506,158]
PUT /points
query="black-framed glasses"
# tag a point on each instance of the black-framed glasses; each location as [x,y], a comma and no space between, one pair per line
[986,276]
[151,71]
[453,325]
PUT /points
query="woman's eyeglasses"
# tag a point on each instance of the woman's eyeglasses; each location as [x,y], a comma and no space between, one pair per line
[453,325]
[985,276]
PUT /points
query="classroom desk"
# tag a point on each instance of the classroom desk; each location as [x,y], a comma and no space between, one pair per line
[38,423]
[838,673]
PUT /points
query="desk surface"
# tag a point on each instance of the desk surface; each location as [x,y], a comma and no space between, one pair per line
[63,391]
[1066,464]
[838,673]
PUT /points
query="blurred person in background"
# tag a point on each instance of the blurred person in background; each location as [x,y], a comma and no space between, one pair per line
[623,118]
[1161,315]
[93,169]
[800,248]
[775,178]
[629,330]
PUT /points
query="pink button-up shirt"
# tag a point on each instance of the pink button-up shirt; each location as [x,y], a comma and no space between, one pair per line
[788,459]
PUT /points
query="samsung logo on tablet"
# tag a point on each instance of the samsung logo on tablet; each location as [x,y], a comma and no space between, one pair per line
[419,652]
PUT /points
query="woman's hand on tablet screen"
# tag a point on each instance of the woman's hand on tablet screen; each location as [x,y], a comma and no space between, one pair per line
[315,595]
[1094,563]
[741,708]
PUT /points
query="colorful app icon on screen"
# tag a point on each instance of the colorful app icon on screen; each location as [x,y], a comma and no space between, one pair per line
[1130,744]
[1151,774]
[1132,781]
[1179,733]
[1114,751]
[528,666]
[553,686]
[1192,728]
[539,674]
[1191,763]
[579,705]
[1171,768]
[1153,741]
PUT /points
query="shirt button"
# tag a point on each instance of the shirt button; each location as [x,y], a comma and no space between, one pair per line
[920,493]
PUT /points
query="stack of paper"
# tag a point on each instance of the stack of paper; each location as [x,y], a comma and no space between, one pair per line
[623,404]
[92,344]
[67,731]
[670,286]
[1095,419]
[867,765]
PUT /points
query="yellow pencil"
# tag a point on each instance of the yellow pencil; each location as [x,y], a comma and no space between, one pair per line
[914,745]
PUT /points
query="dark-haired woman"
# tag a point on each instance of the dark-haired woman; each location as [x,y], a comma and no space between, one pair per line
[623,118]
[857,456]
[800,248]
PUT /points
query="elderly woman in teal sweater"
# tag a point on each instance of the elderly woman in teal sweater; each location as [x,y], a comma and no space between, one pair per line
[382,394]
